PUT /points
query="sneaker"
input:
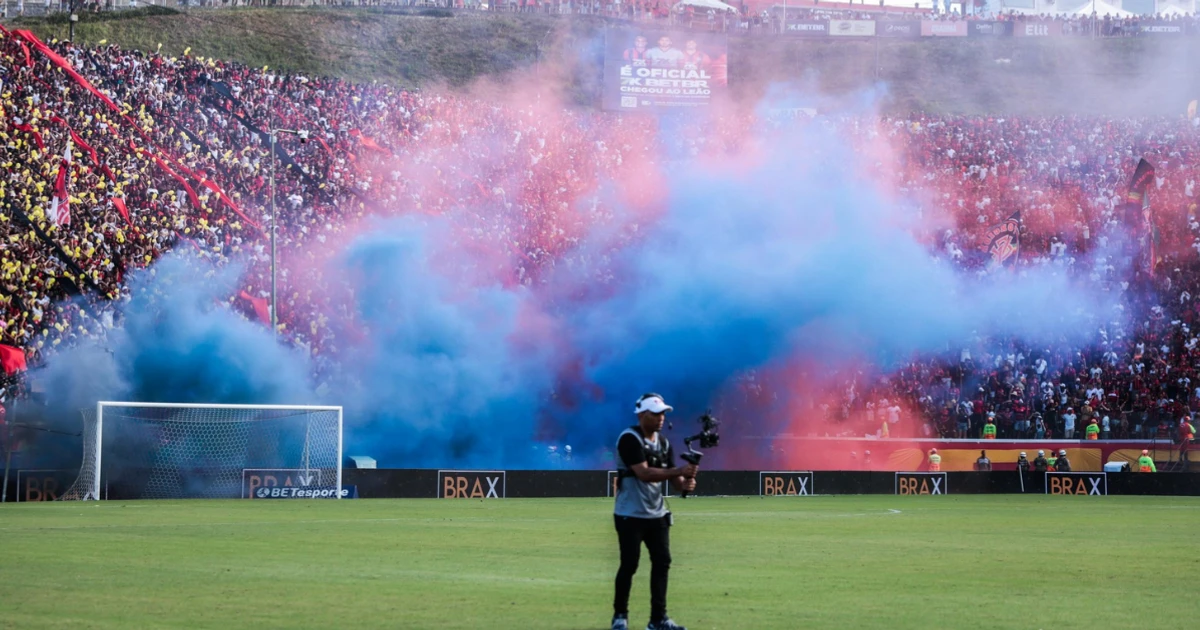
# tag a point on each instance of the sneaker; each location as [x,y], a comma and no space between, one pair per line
[620,622]
[665,624]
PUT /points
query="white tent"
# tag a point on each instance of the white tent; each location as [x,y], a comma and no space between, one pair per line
[1101,8]
[715,5]
[1171,9]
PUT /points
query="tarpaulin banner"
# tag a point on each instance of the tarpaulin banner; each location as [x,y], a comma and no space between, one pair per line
[1037,29]
[935,28]
[808,28]
[852,28]
[1163,28]
[989,29]
[898,28]
[654,70]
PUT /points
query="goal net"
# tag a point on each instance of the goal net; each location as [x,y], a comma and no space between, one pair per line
[173,451]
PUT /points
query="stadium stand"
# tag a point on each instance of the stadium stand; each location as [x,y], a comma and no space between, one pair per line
[112,157]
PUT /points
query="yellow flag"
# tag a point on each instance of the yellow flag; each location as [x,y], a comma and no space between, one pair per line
[1191,110]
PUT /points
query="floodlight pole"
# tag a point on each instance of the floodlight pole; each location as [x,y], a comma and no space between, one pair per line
[274,223]
[8,449]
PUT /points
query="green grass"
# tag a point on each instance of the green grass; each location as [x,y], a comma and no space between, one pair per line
[825,562]
[408,48]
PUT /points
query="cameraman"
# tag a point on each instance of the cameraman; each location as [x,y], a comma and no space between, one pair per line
[644,462]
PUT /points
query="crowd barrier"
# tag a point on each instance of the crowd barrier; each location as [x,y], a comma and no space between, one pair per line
[981,28]
[459,484]
[47,485]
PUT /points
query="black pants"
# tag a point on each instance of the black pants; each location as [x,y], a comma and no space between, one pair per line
[631,533]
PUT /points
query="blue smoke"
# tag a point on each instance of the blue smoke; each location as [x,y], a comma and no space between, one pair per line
[797,255]
[440,381]
[791,253]
[179,342]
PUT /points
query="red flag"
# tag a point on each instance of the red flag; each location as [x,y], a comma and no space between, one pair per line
[12,359]
[60,207]
[260,307]
[119,204]
[37,137]
[367,142]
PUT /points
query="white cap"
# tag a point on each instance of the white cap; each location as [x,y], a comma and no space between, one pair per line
[652,403]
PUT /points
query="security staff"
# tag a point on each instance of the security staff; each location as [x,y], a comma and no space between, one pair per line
[1040,463]
[1052,460]
[1187,433]
[935,461]
[1022,463]
[1146,463]
[1062,464]
[989,429]
[645,463]
[983,464]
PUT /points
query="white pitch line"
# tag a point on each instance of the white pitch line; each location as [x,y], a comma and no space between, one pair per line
[797,514]
[297,522]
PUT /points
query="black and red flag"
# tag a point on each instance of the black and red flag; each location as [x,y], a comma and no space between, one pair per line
[1004,241]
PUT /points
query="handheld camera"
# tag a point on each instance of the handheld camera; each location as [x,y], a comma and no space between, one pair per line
[707,437]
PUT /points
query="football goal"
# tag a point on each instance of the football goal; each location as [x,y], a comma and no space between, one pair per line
[135,450]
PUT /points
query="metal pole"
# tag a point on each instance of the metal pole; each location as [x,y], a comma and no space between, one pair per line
[8,457]
[274,306]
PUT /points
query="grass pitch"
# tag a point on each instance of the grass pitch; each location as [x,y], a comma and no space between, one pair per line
[740,563]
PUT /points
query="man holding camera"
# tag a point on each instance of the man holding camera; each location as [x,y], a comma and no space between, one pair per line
[645,462]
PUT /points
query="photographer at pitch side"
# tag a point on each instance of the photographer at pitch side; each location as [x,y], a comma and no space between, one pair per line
[645,462]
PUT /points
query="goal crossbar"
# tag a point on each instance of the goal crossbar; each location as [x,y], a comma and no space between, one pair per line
[113,403]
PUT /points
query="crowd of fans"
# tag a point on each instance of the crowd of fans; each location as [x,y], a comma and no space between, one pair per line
[173,153]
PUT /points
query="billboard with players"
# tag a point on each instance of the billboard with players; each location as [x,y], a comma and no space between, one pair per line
[658,70]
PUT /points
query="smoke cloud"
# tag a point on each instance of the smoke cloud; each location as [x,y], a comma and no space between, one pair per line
[785,250]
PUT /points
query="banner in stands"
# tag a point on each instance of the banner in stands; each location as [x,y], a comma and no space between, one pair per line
[898,28]
[1085,483]
[808,28]
[655,70]
[922,483]
[785,484]
[1163,28]
[471,484]
[989,29]
[852,28]
[1037,29]
[935,28]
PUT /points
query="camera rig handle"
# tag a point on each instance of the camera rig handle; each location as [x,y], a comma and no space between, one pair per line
[708,438]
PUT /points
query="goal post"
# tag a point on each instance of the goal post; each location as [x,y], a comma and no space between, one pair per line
[139,450]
